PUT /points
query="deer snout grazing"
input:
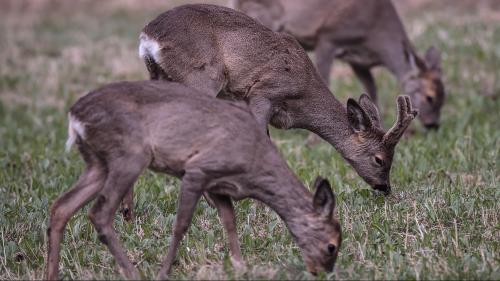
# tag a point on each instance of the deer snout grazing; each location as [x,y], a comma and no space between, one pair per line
[215,146]
[320,249]
[373,150]
[425,86]
[432,126]
[384,188]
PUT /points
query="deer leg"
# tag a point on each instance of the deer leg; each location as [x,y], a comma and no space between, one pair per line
[208,79]
[225,210]
[191,191]
[86,188]
[121,178]
[261,109]
[127,208]
[366,78]
[324,56]
[154,69]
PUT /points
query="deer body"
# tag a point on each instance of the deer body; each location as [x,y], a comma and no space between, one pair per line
[228,54]
[362,33]
[216,148]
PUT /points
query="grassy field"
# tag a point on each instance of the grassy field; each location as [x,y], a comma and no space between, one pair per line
[441,222]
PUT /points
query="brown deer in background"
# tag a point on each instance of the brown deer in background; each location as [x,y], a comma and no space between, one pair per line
[364,34]
[216,147]
[227,54]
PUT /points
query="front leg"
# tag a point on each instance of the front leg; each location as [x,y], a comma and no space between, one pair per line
[324,56]
[191,191]
[261,109]
[365,76]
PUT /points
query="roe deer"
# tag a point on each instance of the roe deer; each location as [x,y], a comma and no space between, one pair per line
[216,147]
[225,53]
[362,33]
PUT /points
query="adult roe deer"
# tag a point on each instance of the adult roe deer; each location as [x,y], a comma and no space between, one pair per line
[216,147]
[364,34]
[225,53]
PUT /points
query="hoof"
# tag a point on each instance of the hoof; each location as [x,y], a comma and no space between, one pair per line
[127,214]
[238,265]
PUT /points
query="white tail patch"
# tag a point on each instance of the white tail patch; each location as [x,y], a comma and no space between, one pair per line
[75,129]
[148,47]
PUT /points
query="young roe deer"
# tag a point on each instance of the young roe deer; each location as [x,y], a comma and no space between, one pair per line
[225,53]
[364,34]
[216,147]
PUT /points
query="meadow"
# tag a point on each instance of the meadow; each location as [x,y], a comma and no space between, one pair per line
[442,220]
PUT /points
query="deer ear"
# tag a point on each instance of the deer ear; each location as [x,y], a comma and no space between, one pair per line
[433,58]
[357,117]
[324,200]
[370,108]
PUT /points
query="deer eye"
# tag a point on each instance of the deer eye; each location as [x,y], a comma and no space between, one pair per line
[331,249]
[429,99]
[379,161]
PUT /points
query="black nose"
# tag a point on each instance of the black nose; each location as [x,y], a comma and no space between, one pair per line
[432,126]
[384,188]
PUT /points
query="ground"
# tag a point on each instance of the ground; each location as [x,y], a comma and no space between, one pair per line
[441,222]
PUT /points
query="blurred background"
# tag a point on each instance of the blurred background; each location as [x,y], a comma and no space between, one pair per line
[48,41]
[442,221]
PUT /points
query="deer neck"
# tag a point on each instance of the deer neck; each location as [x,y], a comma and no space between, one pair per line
[327,117]
[398,62]
[280,189]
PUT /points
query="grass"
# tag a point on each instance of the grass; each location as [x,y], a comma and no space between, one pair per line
[441,222]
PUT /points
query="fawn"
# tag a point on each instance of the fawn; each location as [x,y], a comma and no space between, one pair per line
[216,147]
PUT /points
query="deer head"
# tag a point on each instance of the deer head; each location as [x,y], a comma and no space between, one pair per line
[372,154]
[424,85]
[320,241]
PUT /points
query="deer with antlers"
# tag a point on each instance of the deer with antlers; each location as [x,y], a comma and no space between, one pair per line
[227,54]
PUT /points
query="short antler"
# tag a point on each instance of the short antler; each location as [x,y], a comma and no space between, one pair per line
[405,115]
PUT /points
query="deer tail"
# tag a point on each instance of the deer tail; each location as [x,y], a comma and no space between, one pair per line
[76,129]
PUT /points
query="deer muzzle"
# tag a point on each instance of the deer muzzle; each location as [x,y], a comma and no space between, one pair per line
[432,126]
[384,188]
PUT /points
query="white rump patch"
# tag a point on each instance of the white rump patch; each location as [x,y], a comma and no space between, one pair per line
[75,129]
[148,47]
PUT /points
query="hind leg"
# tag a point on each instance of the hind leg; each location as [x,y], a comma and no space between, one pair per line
[261,108]
[366,78]
[154,69]
[85,189]
[122,175]
[209,79]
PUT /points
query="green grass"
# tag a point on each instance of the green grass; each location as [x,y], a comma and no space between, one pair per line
[441,222]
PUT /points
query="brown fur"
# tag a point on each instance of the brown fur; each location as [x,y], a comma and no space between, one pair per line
[216,147]
[228,54]
[364,34]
